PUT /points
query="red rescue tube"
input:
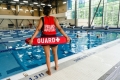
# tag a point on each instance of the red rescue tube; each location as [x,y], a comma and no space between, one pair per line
[48,40]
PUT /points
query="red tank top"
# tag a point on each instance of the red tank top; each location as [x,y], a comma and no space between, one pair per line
[49,26]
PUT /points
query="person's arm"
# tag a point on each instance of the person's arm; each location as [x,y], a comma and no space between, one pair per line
[61,30]
[36,31]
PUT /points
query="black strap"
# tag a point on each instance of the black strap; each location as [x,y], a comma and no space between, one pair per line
[43,23]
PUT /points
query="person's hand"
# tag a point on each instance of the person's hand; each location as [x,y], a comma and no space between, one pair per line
[30,41]
[68,39]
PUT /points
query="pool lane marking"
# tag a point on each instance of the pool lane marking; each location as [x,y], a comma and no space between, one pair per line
[23,47]
[6,37]
[14,41]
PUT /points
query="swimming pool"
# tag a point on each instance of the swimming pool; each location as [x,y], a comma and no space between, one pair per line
[16,56]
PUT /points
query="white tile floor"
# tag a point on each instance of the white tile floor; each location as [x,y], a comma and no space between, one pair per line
[90,68]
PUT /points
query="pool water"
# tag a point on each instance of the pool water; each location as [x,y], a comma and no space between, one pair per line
[16,56]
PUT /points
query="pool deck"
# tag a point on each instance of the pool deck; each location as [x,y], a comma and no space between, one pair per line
[99,63]
[104,64]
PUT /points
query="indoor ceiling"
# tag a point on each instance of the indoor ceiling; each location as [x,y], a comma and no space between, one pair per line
[36,3]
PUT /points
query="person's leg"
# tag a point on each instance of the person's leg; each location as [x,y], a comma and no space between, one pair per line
[54,51]
[47,53]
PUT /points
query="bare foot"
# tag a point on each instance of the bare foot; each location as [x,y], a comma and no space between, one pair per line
[56,68]
[48,72]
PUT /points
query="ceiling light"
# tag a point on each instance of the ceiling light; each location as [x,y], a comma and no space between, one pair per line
[42,4]
[35,3]
[21,3]
[64,2]
[25,1]
[49,5]
[38,5]
[15,0]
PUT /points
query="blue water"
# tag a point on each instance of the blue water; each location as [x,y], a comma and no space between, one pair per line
[13,60]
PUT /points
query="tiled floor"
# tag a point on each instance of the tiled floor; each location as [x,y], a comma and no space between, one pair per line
[90,68]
